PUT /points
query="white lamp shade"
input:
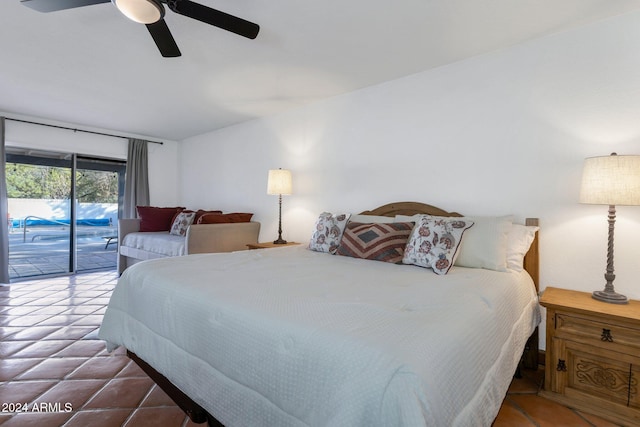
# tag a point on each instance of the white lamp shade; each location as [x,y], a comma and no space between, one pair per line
[279,182]
[611,180]
[142,11]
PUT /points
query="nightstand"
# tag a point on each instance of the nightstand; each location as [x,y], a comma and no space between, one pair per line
[592,360]
[268,245]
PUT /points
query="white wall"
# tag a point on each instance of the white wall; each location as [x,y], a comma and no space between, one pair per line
[501,133]
[163,168]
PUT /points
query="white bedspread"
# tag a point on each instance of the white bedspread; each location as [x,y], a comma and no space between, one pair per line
[291,337]
[157,242]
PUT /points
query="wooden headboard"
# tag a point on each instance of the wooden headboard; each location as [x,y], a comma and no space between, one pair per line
[531,259]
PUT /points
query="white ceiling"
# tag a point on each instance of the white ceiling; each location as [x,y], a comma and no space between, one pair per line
[92,67]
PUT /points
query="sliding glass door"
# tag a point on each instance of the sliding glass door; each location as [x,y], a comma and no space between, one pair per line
[99,188]
[63,212]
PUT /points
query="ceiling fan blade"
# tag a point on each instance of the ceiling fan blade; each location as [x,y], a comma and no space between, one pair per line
[215,17]
[53,5]
[163,38]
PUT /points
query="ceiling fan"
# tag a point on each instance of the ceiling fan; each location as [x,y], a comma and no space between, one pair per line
[151,13]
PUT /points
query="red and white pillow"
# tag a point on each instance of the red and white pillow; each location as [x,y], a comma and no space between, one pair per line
[328,231]
[434,242]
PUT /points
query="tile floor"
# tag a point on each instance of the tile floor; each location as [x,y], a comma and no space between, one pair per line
[51,361]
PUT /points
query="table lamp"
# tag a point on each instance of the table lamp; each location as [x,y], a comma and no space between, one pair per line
[279,183]
[611,180]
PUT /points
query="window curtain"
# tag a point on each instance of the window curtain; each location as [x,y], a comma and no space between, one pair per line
[136,184]
[4,211]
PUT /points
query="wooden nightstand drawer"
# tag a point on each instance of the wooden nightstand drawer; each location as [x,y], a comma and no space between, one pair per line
[604,334]
[603,375]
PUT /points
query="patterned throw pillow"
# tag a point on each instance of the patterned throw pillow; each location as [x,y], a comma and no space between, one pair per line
[328,232]
[434,242]
[375,241]
[181,222]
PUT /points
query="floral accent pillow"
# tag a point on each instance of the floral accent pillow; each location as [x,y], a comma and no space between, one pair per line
[434,242]
[181,222]
[328,232]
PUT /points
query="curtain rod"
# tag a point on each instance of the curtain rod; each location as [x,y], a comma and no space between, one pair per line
[75,130]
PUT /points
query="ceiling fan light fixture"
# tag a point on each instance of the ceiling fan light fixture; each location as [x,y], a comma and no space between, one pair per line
[142,11]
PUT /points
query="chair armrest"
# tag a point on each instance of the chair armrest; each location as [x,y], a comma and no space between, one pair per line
[229,237]
[126,226]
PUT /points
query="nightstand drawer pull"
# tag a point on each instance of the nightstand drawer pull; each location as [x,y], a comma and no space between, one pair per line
[606,335]
[562,366]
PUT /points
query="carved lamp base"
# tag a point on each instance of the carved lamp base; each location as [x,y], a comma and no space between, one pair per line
[610,297]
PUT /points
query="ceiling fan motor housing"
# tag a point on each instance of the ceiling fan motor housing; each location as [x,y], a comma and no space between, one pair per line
[141,11]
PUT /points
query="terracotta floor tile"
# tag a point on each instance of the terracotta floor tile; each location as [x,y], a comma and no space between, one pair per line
[35,333]
[121,393]
[82,309]
[597,421]
[92,293]
[62,320]
[132,371]
[43,348]
[72,301]
[82,348]
[53,368]
[38,419]
[157,397]
[90,320]
[510,416]
[7,331]
[24,391]
[106,287]
[50,309]
[17,301]
[547,413]
[70,333]
[72,392]
[101,367]
[13,367]
[10,347]
[157,417]
[100,418]
[120,351]
[26,320]
[99,301]
[20,310]
[46,301]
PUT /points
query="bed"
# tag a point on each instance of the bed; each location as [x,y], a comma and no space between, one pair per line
[293,337]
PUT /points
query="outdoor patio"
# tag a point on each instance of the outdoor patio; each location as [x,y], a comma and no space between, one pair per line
[44,250]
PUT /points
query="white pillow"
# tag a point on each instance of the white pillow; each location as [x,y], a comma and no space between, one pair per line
[485,244]
[518,244]
[366,219]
